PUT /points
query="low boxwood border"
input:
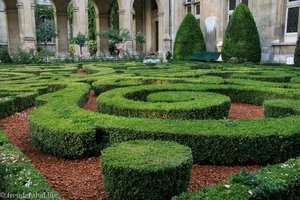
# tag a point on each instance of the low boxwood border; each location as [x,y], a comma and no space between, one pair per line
[146,170]
[18,176]
[280,181]
[61,128]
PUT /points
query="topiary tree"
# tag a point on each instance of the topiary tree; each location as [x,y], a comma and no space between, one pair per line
[189,38]
[297,53]
[80,40]
[241,41]
[140,38]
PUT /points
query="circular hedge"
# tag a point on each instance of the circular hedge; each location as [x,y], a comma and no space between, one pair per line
[146,170]
[132,102]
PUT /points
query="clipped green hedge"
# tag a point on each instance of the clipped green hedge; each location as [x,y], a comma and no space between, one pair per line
[241,40]
[281,108]
[280,182]
[132,102]
[11,103]
[189,38]
[146,170]
[18,175]
[61,128]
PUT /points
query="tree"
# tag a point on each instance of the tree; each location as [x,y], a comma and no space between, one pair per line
[115,36]
[189,38]
[80,40]
[297,53]
[140,38]
[45,32]
[241,41]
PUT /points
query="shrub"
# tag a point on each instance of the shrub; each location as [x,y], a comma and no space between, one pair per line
[18,175]
[23,57]
[146,170]
[189,39]
[153,102]
[273,182]
[4,55]
[241,41]
[297,53]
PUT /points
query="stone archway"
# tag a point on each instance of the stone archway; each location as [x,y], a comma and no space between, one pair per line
[103,21]
[147,17]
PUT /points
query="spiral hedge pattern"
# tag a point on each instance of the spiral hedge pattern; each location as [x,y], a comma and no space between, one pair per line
[59,126]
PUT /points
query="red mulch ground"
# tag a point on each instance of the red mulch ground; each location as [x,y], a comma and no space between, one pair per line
[245,111]
[81,179]
[82,72]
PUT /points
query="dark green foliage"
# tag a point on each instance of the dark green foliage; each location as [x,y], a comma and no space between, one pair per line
[18,175]
[4,55]
[45,32]
[74,131]
[114,15]
[80,40]
[11,103]
[273,182]
[241,41]
[155,102]
[297,53]
[281,108]
[189,39]
[70,19]
[92,20]
[44,11]
[150,170]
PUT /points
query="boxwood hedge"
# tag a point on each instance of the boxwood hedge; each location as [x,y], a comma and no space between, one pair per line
[61,128]
[146,170]
[280,181]
[18,176]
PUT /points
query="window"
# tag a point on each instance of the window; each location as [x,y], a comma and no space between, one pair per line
[197,9]
[188,9]
[292,20]
[232,4]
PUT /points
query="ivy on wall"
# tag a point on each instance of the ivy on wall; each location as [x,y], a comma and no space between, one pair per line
[114,15]
[92,20]
[43,13]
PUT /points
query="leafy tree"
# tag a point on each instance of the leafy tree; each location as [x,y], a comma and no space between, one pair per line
[45,32]
[241,41]
[140,38]
[189,38]
[80,40]
[297,53]
[115,36]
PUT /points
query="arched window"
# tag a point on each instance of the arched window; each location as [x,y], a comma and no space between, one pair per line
[292,20]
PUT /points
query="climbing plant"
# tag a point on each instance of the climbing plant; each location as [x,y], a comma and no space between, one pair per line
[92,20]
[70,19]
[114,15]
[43,12]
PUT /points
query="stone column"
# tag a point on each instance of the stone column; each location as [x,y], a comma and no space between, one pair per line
[26,25]
[125,16]
[167,40]
[148,25]
[13,29]
[80,21]
[161,31]
[3,27]
[62,38]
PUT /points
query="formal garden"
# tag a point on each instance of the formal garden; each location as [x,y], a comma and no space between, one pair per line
[166,128]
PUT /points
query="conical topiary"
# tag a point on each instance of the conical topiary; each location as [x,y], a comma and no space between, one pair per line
[189,38]
[241,41]
[297,53]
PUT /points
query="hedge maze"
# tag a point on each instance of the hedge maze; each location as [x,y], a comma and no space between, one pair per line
[182,102]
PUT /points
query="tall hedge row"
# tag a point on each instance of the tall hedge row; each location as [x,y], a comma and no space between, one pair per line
[189,38]
[241,41]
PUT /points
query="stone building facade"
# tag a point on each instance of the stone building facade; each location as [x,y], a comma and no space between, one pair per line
[159,20]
